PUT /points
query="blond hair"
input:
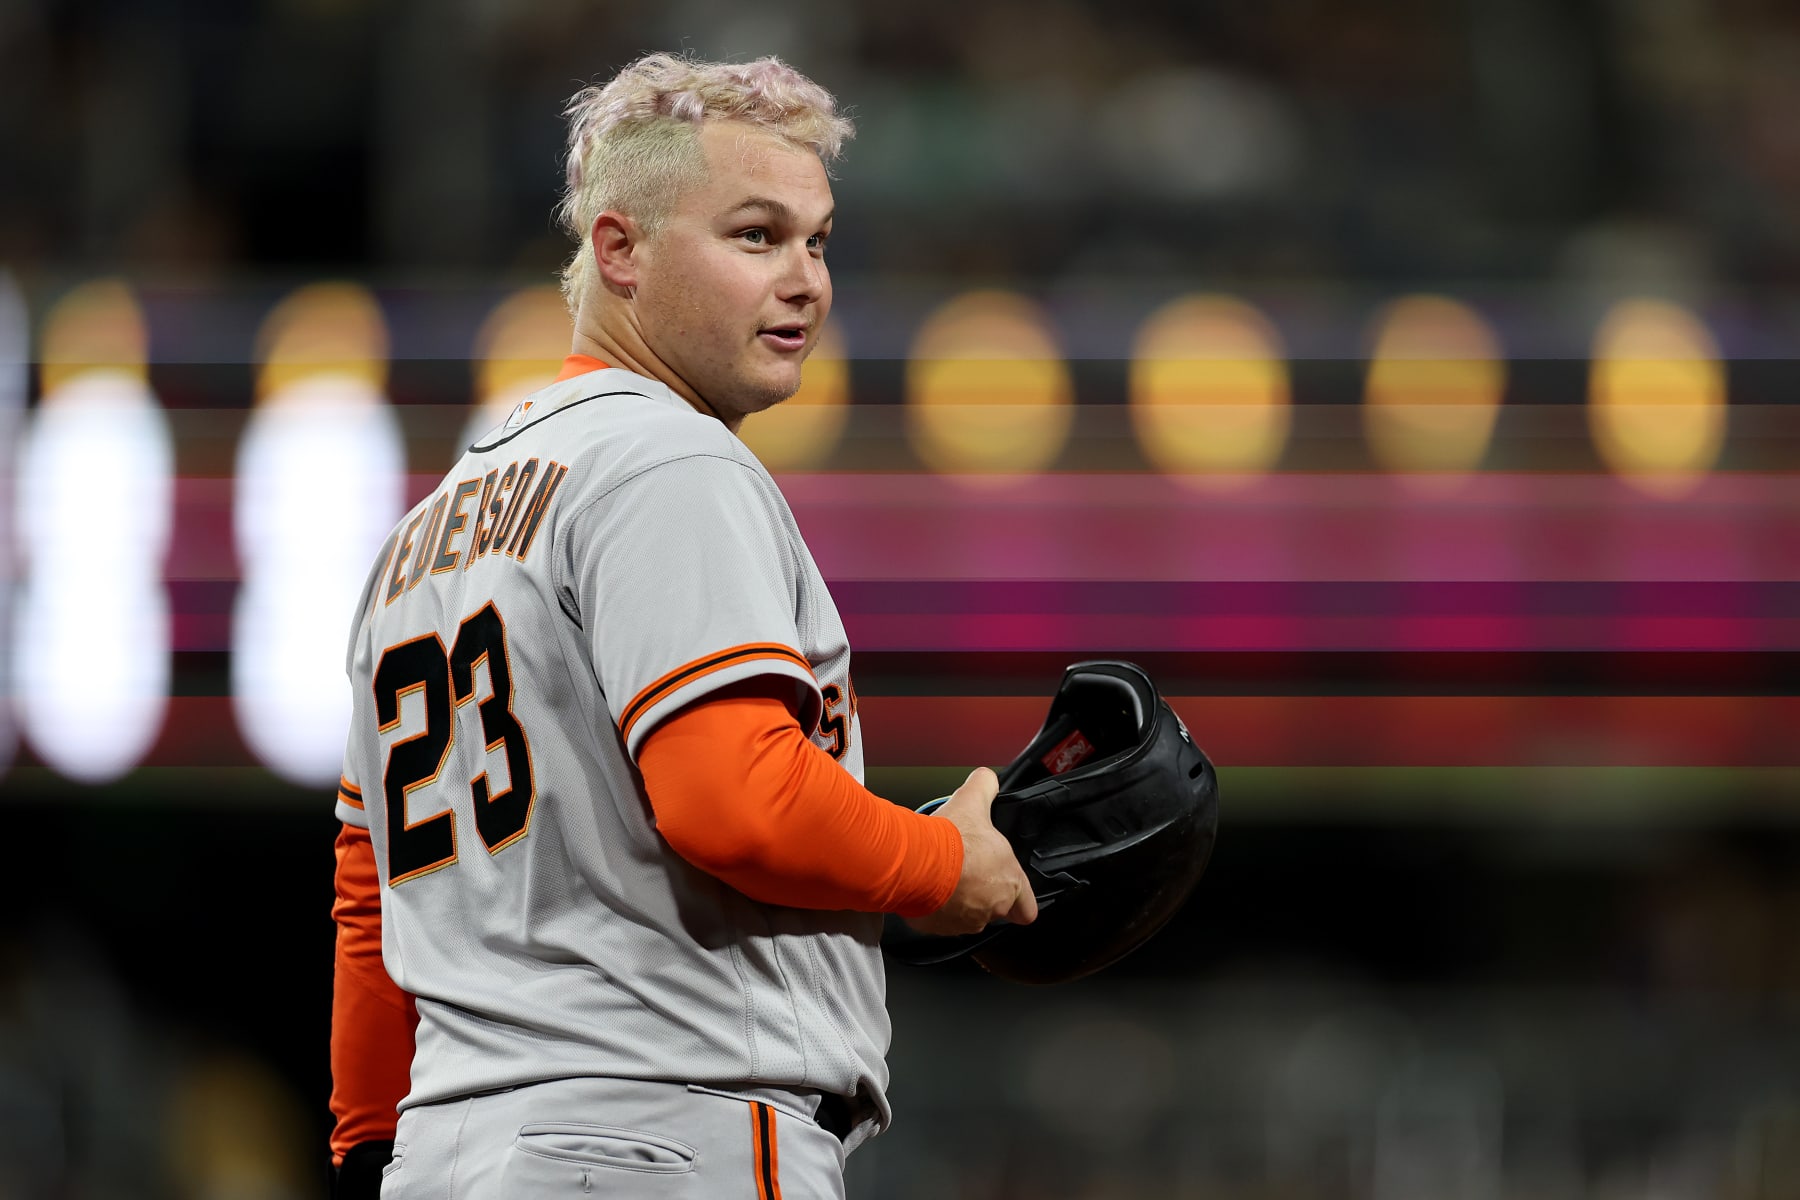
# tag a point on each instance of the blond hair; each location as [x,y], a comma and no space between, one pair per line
[634,141]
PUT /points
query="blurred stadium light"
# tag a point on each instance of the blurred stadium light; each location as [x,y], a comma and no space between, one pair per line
[15,372]
[1434,387]
[1658,403]
[520,349]
[96,480]
[320,481]
[988,393]
[1293,560]
[1209,391]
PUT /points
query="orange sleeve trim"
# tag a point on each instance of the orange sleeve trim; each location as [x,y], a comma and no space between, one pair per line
[578,364]
[700,668]
[372,1019]
[741,793]
[354,801]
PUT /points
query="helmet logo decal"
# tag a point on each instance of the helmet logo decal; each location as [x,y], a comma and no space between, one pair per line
[1069,753]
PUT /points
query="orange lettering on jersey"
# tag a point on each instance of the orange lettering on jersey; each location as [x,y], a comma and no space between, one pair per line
[493,509]
[504,529]
[424,553]
[506,519]
[453,525]
[534,511]
[397,584]
[476,535]
[386,559]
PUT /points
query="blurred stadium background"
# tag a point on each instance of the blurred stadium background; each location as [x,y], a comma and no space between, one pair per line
[1408,386]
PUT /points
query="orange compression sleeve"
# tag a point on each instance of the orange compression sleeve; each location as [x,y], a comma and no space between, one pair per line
[740,792]
[372,1020]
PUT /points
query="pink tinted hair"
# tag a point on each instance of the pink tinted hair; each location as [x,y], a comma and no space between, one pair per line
[632,140]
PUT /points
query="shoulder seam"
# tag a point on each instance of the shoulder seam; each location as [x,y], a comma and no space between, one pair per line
[583,508]
[661,462]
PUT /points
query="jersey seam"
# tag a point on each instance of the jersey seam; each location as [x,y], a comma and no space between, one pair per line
[744,989]
[776,937]
[826,1008]
[560,578]
[456,1144]
[582,509]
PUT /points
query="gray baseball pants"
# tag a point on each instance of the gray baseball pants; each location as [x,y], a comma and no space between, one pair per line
[616,1138]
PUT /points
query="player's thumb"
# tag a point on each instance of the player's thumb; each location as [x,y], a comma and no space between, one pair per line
[976,795]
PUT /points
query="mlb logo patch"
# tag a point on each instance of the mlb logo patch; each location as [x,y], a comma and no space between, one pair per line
[518,414]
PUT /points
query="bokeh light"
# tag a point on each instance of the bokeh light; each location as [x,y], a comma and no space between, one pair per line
[802,431]
[97,327]
[320,481]
[519,350]
[1435,382]
[15,360]
[1209,391]
[988,393]
[95,506]
[322,329]
[1656,404]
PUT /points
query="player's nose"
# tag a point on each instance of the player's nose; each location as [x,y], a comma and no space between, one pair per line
[804,277]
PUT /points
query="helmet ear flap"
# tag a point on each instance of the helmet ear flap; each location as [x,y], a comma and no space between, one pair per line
[1112,810]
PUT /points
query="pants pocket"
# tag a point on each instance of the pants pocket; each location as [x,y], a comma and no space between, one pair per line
[391,1183]
[571,1144]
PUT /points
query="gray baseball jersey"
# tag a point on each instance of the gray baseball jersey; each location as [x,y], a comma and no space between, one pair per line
[604,557]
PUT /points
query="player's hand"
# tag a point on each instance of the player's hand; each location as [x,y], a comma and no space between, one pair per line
[993,886]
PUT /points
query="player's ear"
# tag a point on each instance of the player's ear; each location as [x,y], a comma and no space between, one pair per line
[616,240]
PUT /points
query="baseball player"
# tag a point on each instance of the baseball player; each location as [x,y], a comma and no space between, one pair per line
[608,883]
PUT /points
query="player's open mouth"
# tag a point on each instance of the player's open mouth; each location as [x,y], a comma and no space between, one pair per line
[787,337]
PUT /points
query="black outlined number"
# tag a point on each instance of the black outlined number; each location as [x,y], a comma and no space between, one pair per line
[501,819]
[415,762]
[448,681]
[835,724]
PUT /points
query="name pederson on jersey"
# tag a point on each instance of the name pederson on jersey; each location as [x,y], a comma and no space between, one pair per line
[603,558]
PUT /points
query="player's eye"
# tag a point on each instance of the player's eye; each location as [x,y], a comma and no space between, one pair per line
[756,236]
[816,242]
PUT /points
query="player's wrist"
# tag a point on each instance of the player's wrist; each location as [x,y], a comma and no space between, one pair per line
[939,845]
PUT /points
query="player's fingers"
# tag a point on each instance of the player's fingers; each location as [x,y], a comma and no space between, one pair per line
[1025,906]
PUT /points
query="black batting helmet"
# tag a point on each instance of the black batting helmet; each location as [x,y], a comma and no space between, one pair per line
[1112,811]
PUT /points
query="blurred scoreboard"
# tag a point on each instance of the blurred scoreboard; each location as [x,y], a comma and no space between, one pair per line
[1409,533]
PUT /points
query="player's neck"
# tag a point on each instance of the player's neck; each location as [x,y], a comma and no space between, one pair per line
[618,343]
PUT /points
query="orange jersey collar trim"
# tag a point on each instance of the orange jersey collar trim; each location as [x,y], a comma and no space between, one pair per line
[579,364]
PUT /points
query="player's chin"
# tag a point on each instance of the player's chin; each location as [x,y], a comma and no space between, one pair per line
[767,388]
